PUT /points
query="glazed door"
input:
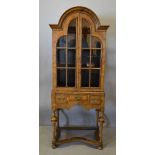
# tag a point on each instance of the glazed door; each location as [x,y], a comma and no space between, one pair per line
[78,56]
[66,57]
[90,52]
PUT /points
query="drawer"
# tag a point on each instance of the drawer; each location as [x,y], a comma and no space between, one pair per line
[95,99]
[78,97]
[60,98]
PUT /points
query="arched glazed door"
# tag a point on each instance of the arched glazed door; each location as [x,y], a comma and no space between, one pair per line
[66,57]
[79,56]
[91,49]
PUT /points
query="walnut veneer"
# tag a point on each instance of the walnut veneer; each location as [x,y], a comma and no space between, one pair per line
[78,65]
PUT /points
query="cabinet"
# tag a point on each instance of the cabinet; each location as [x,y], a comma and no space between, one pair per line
[78,65]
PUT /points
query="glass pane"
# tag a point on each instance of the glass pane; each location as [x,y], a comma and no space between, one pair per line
[85,78]
[85,34]
[61,57]
[95,42]
[72,34]
[85,58]
[71,41]
[61,42]
[71,78]
[61,77]
[95,75]
[72,27]
[71,56]
[96,58]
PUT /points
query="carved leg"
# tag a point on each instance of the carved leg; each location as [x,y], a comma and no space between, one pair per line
[54,120]
[97,130]
[101,121]
[57,128]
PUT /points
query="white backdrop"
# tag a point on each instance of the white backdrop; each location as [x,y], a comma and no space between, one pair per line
[49,13]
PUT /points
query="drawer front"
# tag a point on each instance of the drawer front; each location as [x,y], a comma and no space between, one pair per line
[95,99]
[78,97]
[68,100]
[60,98]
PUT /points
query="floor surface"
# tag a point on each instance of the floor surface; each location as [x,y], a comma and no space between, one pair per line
[76,148]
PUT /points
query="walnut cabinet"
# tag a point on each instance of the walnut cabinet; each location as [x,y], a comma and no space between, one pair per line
[78,66]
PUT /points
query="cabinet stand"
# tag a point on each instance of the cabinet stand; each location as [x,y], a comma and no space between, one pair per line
[98,142]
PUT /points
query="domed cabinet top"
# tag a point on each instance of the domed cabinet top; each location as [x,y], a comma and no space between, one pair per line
[82,10]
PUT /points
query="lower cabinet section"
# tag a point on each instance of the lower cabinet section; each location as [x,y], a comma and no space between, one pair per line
[88,101]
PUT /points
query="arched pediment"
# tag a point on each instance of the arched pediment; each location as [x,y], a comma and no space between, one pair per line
[79,9]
